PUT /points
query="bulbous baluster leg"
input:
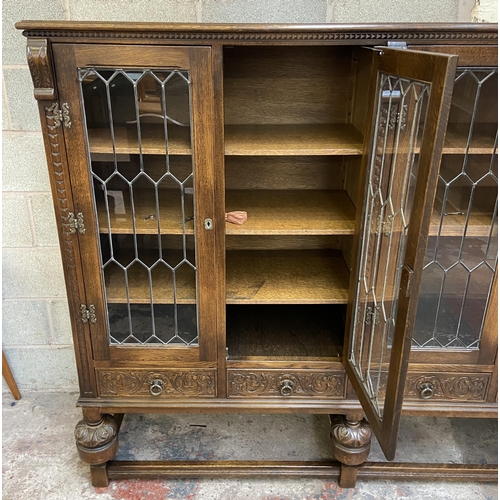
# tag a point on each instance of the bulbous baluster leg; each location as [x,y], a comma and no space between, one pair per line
[351,439]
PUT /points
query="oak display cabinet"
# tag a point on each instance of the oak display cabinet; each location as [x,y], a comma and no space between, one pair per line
[363,282]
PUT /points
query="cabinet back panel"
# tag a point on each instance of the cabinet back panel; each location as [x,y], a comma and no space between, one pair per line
[286,85]
[284,172]
[281,331]
[314,242]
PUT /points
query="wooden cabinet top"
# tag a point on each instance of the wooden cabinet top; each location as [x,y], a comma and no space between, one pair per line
[357,34]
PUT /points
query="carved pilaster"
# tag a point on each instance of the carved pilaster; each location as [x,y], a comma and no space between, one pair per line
[97,442]
[40,65]
[61,193]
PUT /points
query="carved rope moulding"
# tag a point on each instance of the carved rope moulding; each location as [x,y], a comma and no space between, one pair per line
[268,384]
[176,383]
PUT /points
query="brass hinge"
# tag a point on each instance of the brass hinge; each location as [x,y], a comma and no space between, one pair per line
[397,44]
[60,115]
[372,315]
[88,314]
[76,223]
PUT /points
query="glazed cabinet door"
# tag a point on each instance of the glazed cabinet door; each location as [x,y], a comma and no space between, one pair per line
[411,102]
[454,321]
[140,153]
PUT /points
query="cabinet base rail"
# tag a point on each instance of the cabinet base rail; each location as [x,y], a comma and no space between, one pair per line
[325,469]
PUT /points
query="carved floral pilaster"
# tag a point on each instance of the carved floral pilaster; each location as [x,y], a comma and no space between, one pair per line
[63,206]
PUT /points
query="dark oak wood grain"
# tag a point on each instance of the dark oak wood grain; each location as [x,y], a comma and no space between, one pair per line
[281,128]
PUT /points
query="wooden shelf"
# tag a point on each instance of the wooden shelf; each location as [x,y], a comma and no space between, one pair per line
[453,225]
[269,213]
[240,140]
[284,332]
[138,283]
[455,142]
[253,277]
[153,140]
[145,204]
[315,139]
[292,212]
[286,277]
[265,140]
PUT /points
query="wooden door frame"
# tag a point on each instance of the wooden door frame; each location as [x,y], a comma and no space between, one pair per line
[69,57]
[429,68]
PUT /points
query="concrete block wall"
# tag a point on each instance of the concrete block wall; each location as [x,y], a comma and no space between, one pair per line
[36,329]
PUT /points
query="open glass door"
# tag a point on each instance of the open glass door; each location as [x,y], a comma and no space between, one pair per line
[411,103]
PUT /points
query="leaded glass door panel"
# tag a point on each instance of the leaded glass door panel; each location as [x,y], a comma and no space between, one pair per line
[462,248]
[411,102]
[141,139]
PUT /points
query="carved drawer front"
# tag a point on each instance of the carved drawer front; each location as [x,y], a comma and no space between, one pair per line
[285,384]
[156,383]
[447,386]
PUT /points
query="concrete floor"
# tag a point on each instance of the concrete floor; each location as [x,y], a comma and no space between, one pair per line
[40,459]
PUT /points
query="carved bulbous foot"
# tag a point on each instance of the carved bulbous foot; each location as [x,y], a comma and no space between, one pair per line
[97,442]
[351,440]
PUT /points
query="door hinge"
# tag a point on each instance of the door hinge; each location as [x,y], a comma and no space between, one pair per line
[60,115]
[88,314]
[396,44]
[76,223]
[372,315]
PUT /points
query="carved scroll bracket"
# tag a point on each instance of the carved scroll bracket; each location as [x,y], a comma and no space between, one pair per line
[40,64]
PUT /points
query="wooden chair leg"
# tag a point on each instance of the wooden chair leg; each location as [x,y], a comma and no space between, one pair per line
[9,378]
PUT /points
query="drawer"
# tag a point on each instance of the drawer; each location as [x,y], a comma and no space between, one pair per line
[156,383]
[247,383]
[441,386]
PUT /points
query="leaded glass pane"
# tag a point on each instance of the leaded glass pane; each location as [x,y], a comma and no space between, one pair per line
[139,131]
[462,247]
[401,108]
